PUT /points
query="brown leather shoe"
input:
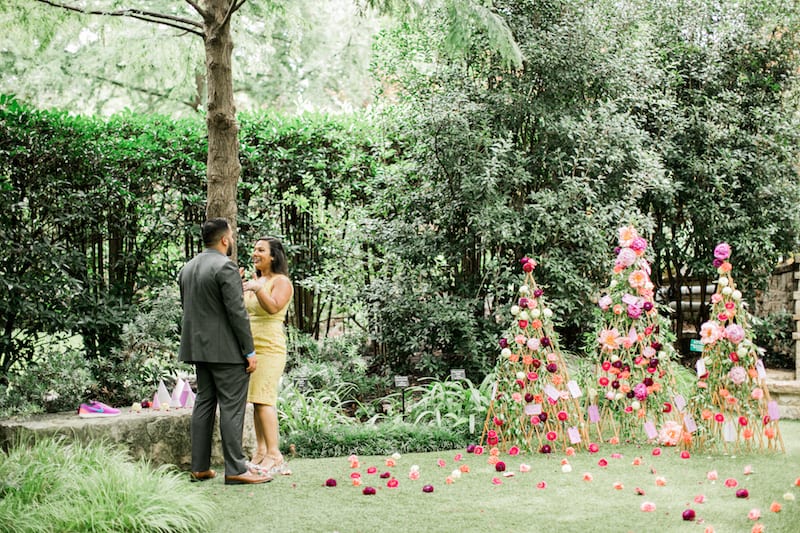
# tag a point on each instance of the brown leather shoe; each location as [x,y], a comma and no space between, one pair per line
[202,476]
[248,478]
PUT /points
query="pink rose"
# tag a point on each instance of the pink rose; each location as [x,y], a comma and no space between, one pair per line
[722,251]
[734,333]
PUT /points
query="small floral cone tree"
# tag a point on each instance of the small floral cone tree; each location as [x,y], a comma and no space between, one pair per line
[535,405]
[732,402]
[631,394]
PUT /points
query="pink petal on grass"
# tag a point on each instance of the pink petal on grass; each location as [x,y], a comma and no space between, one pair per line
[754,514]
[712,475]
[496,481]
[700,498]
[541,485]
[648,507]
[731,483]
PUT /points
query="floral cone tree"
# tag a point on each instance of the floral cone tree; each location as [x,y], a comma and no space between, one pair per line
[535,405]
[631,395]
[732,402]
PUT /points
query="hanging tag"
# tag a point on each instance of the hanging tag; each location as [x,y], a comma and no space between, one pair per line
[650,430]
[574,435]
[594,414]
[689,423]
[680,403]
[701,367]
[574,389]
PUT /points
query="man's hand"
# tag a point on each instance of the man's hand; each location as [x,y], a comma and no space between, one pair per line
[251,365]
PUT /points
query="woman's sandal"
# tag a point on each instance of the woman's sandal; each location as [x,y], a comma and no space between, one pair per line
[258,457]
[279,466]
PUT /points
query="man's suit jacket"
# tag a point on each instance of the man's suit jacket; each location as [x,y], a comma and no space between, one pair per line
[216,328]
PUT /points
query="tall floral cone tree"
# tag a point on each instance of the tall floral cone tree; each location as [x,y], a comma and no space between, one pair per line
[631,394]
[535,405]
[732,401]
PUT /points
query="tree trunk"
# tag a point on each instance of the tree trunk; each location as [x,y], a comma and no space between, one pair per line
[223,167]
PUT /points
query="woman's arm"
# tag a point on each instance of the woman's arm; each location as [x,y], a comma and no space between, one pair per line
[273,301]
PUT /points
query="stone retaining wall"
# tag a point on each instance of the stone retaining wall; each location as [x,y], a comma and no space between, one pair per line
[162,437]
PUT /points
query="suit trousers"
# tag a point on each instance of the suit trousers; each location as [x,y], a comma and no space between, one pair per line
[223,385]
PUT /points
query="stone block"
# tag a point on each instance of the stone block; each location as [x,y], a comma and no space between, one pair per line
[162,437]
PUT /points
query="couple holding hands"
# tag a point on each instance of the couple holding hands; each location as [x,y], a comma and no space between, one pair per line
[233,332]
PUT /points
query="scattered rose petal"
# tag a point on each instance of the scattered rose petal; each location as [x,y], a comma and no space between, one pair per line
[478,450]
[440,463]
[464,468]
[390,462]
[427,488]
[354,464]
[371,470]
[661,481]
[496,481]
[700,498]
[357,482]
[711,475]
[524,467]
[637,461]
[593,448]
[567,468]
[688,515]
[797,482]
[731,483]
[514,450]
[355,475]
[396,456]
[754,514]
[742,493]
[648,507]
[616,456]
[789,497]
[330,482]
[775,507]
[392,483]
[618,486]
[541,485]
[386,475]
[656,451]
[570,451]
[368,491]
[602,462]
[413,475]
[757,528]
[500,466]
[685,454]
[458,457]
[748,470]
[493,460]
[709,529]
[414,468]
[508,474]
[564,461]
[587,477]
[449,480]
[495,452]
[353,458]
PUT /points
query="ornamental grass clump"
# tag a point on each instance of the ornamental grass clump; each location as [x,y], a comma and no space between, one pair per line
[55,486]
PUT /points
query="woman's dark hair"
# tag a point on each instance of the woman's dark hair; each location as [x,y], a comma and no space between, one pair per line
[279,263]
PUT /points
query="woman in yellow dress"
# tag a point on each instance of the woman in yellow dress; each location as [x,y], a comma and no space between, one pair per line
[267,298]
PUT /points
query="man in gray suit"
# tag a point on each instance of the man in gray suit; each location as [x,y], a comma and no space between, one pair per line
[216,338]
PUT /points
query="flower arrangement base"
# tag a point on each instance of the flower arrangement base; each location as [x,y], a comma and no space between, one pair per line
[535,405]
[732,400]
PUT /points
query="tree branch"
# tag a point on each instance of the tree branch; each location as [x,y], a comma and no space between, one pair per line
[187,25]
[202,12]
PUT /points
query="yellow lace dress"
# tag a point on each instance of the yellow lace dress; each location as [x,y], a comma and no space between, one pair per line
[269,337]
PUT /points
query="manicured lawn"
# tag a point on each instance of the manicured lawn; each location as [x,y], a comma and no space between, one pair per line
[568,502]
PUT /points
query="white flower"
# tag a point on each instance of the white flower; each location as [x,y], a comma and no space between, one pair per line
[727,291]
[524,290]
[515,310]
[396,456]
[737,295]
[523,315]
[536,313]
[505,352]
[547,313]
[723,281]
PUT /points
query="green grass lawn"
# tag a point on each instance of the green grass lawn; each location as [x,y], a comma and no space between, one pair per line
[568,502]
